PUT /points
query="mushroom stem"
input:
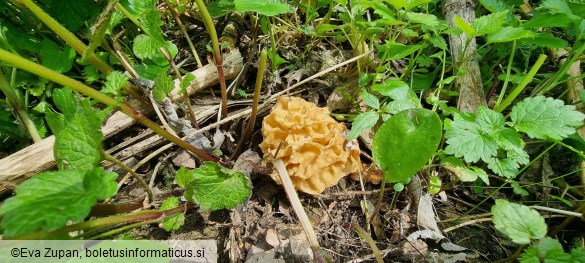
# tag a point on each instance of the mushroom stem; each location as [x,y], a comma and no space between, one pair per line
[291,193]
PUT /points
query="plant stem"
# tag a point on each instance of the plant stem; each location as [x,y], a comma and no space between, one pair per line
[364,235]
[216,52]
[113,159]
[104,222]
[75,85]
[184,31]
[77,44]
[16,103]
[507,80]
[527,79]
[257,88]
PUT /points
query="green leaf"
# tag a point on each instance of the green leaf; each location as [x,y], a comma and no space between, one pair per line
[215,187]
[489,23]
[74,14]
[184,177]
[545,40]
[186,82]
[397,106]
[505,167]
[392,146]
[361,123]
[466,138]
[369,99]
[175,221]
[467,174]
[547,250]
[508,34]
[55,58]
[151,24]
[146,46]
[517,189]
[78,142]
[422,18]
[221,7]
[396,51]
[546,118]
[49,200]
[520,223]
[464,26]
[434,185]
[578,255]
[262,7]
[495,5]
[115,82]
[163,85]
[545,19]
[392,88]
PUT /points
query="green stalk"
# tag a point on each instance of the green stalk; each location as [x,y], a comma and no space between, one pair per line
[184,31]
[257,88]
[75,85]
[527,79]
[77,44]
[104,222]
[216,52]
[16,103]
[364,235]
[508,70]
[137,177]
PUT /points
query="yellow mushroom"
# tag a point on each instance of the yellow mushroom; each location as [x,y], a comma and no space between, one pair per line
[312,146]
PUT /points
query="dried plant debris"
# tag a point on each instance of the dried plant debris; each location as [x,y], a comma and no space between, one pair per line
[310,143]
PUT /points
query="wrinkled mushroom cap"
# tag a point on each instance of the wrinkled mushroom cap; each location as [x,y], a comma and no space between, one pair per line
[315,153]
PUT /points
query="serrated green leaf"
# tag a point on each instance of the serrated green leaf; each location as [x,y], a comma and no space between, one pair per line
[146,46]
[175,221]
[393,142]
[221,7]
[55,58]
[49,200]
[214,187]
[262,7]
[392,88]
[78,142]
[465,138]
[578,255]
[509,140]
[464,26]
[151,24]
[505,167]
[495,5]
[438,41]
[489,120]
[520,223]
[517,189]
[422,18]
[184,176]
[547,250]
[163,85]
[489,23]
[369,99]
[115,81]
[508,34]
[558,6]
[546,118]
[186,82]
[545,40]
[397,106]
[362,122]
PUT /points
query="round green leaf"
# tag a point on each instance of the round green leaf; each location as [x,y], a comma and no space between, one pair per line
[405,142]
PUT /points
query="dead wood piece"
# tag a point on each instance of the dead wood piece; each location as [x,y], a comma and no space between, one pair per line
[469,85]
[39,156]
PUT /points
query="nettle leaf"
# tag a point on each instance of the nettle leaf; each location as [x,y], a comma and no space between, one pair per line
[184,176]
[115,81]
[55,58]
[464,26]
[546,19]
[215,187]
[520,223]
[508,34]
[489,120]
[262,7]
[49,200]
[466,138]
[151,24]
[163,85]
[146,46]
[547,250]
[362,122]
[489,23]
[505,167]
[186,82]
[392,146]
[78,142]
[546,118]
[175,221]
[545,40]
